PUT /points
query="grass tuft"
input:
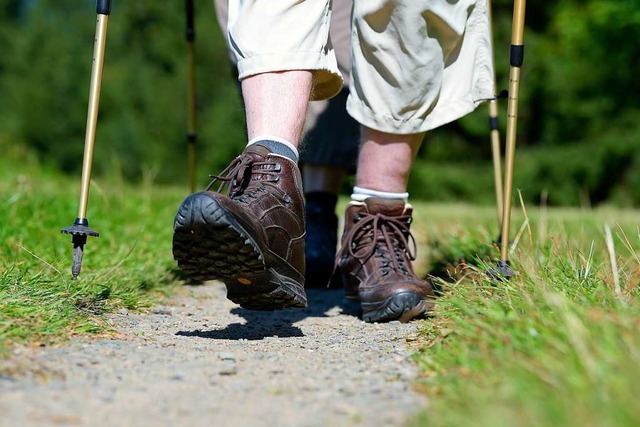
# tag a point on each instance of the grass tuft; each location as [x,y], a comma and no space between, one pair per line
[128,266]
[556,345]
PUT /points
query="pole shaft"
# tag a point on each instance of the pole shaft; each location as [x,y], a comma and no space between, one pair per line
[497,160]
[192,90]
[191,125]
[494,129]
[191,119]
[512,116]
[92,112]
[516,59]
[190,30]
[517,29]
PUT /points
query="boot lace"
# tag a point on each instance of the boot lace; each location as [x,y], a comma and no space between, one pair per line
[240,173]
[387,238]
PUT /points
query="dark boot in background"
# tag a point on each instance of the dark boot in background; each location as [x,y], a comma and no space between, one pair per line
[322,237]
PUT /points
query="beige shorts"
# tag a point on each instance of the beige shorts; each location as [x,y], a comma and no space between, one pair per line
[340,34]
[416,64]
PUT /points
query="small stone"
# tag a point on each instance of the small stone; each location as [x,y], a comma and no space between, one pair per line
[226,356]
[228,370]
[411,338]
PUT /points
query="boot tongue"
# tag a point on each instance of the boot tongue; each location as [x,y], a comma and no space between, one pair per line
[389,207]
[257,149]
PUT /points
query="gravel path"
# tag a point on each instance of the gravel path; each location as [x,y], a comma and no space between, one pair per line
[202,360]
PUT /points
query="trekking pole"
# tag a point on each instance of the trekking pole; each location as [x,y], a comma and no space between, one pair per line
[496,155]
[80,228]
[495,134]
[516,58]
[191,123]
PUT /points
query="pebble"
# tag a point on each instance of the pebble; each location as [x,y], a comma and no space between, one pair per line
[201,360]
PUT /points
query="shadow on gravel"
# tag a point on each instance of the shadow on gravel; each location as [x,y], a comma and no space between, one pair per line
[247,331]
[281,324]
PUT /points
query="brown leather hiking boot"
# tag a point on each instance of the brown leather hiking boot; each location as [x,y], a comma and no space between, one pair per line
[252,239]
[374,263]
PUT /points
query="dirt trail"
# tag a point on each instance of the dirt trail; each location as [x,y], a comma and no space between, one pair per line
[204,361]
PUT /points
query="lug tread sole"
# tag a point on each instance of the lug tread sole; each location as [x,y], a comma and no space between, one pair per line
[403,306]
[208,244]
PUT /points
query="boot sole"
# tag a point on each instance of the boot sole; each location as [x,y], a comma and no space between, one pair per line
[209,244]
[403,306]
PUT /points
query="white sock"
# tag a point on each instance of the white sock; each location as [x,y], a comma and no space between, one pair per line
[361,194]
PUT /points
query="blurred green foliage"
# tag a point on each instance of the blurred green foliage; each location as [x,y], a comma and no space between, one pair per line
[45,67]
[577,134]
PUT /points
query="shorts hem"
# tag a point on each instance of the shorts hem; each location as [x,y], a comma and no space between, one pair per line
[327,80]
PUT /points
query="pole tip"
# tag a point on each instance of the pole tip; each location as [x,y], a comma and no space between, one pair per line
[502,271]
[79,231]
[78,252]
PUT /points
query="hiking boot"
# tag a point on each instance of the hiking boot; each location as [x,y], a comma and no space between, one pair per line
[374,263]
[322,238]
[252,238]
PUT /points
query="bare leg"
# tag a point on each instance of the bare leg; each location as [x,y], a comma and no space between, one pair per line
[380,278]
[385,160]
[265,271]
[276,104]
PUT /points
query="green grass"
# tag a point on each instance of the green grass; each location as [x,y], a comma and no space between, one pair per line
[558,345]
[128,266]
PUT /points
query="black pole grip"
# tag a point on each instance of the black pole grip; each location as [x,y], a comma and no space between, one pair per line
[493,123]
[103,7]
[191,30]
[516,55]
